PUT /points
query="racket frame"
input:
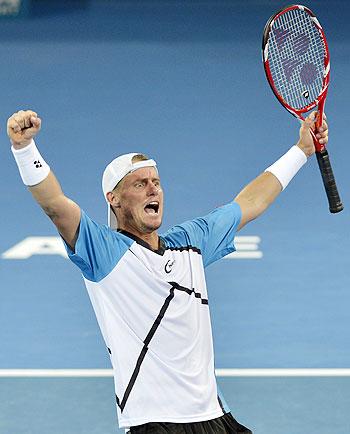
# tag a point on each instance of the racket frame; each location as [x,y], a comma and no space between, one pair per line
[321,99]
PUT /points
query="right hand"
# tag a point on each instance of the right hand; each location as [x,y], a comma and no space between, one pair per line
[306,141]
[22,127]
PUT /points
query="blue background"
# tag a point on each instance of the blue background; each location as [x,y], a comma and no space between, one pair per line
[183,82]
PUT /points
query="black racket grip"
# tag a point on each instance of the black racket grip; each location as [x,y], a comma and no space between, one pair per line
[335,203]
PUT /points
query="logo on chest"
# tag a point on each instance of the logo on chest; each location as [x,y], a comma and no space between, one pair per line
[169,266]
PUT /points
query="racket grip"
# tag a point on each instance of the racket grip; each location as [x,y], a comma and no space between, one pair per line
[335,203]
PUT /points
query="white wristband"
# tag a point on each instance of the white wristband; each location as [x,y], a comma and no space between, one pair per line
[32,167]
[288,165]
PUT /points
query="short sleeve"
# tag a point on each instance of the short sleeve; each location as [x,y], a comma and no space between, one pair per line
[98,248]
[212,234]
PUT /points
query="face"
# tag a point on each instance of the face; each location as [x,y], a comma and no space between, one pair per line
[138,201]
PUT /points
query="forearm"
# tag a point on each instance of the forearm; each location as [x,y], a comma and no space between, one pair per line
[38,177]
[49,195]
[63,212]
[258,195]
[262,192]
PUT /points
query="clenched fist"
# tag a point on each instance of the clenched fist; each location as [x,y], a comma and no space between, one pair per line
[22,127]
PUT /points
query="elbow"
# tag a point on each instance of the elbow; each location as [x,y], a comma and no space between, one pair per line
[53,208]
[251,209]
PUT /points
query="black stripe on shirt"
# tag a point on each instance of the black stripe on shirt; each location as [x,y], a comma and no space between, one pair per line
[184,248]
[145,348]
[189,291]
[150,335]
[133,377]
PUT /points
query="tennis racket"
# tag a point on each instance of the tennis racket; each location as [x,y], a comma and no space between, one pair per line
[296,62]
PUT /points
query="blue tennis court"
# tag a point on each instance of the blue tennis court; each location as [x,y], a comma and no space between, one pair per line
[183,82]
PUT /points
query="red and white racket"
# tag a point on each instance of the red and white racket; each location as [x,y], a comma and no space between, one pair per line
[296,62]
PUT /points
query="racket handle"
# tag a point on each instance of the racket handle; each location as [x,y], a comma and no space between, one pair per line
[335,203]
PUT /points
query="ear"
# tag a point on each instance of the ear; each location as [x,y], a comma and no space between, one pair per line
[113,199]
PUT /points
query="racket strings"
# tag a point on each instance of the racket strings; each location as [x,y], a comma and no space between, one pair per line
[296,58]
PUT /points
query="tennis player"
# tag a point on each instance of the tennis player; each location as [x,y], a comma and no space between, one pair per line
[148,290]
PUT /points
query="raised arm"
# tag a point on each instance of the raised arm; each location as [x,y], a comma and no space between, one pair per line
[258,195]
[22,127]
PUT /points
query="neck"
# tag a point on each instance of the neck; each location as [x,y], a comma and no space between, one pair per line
[152,238]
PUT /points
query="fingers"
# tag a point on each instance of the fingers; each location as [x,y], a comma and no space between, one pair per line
[36,122]
[310,120]
[22,119]
[22,126]
[12,125]
[321,133]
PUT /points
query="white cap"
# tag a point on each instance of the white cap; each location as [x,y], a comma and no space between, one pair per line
[115,172]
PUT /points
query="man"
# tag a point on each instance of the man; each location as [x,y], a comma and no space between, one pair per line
[148,291]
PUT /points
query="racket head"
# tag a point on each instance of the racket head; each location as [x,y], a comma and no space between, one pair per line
[296,59]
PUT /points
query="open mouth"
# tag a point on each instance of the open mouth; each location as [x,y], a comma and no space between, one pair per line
[152,207]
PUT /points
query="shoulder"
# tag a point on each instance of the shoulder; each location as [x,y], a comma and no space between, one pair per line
[192,231]
[98,248]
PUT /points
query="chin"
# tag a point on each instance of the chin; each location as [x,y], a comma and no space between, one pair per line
[155,226]
[150,227]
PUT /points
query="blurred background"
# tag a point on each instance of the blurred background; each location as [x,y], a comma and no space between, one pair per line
[183,82]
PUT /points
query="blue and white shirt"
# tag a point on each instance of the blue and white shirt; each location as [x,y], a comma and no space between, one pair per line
[152,308]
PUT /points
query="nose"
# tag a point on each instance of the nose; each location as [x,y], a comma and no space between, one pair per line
[152,189]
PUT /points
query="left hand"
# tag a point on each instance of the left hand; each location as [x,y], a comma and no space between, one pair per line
[306,142]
